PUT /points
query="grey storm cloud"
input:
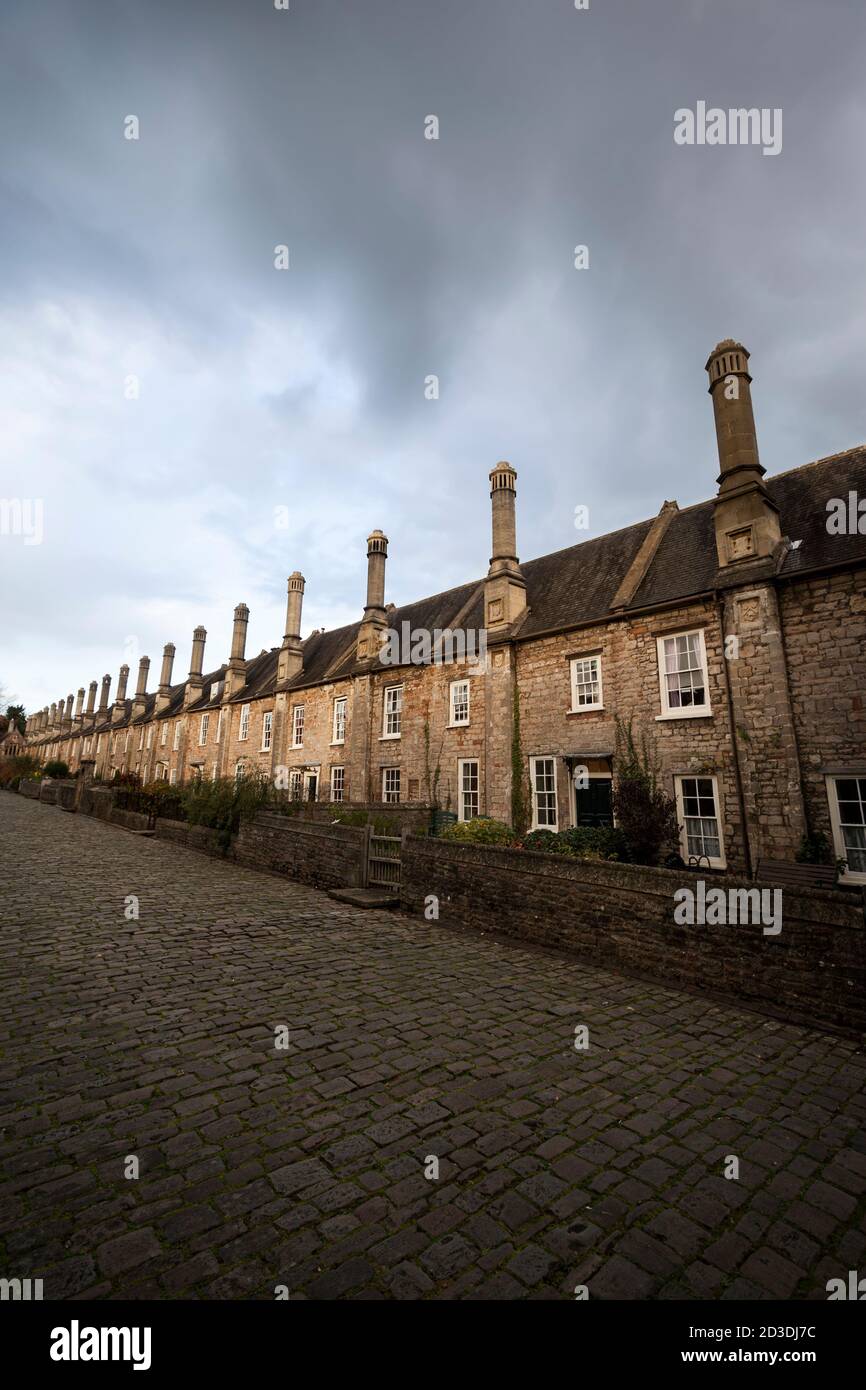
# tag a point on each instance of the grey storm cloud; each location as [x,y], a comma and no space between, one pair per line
[300,393]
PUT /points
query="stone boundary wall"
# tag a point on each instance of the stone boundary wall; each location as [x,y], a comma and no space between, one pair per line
[324,856]
[130,820]
[97,801]
[30,789]
[200,837]
[405,816]
[621,916]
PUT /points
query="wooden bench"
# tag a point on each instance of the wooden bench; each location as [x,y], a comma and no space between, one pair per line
[793,875]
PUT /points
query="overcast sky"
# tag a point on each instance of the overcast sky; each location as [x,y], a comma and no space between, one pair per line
[304,389]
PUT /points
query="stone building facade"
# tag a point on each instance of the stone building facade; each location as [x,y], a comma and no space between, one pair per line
[732,634]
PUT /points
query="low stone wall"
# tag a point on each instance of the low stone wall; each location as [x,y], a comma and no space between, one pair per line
[97,801]
[130,820]
[200,837]
[619,915]
[67,795]
[30,787]
[325,856]
[413,818]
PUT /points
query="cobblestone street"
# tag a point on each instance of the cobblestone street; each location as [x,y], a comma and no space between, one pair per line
[306,1167]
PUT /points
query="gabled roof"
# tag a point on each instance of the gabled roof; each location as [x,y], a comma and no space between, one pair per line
[576,586]
[685,563]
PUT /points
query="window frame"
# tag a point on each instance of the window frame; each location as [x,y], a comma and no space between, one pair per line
[453,722]
[244,724]
[339,767]
[716,861]
[388,798]
[683,711]
[204,723]
[339,701]
[853,876]
[267,730]
[177,731]
[461,791]
[298,726]
[599,680]
[533,762]
[397,711]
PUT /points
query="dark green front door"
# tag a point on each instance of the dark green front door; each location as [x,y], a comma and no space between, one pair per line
[593,802]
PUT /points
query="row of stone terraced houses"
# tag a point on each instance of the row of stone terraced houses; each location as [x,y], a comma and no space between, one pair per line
[732,631]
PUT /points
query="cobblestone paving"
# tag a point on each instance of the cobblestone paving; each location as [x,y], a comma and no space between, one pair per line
[306,1167]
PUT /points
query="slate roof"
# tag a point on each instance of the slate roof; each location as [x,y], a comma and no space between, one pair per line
[576,586]
[685,563]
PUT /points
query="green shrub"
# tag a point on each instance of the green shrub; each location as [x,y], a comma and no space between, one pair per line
[645,813]
[595,842]
[223,804]
[155,799]
[56,768]
[814,849]
[581,842]
[479,832]
[544,842]
[13,769]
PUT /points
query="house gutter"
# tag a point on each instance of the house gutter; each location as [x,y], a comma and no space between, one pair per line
[729,702]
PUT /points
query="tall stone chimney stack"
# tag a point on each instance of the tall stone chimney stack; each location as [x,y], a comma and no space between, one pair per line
[195,684]
[139,704]
[236,671]
[377,554]
[103,695]
[196,661]
[290,660]
[52,718]
[91,704]
[745,517]
[163,694]
[505,587]
[374,621]
[67,716]
[119,711]
[79,705]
